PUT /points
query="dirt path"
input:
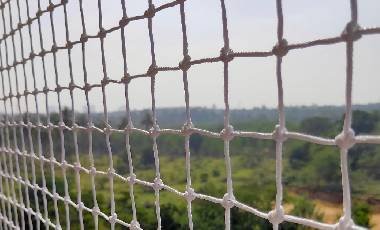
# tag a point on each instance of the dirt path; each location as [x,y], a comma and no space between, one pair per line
[333,211]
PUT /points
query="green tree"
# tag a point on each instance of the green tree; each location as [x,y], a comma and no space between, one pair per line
[361,214]
[316,125]
[147,121]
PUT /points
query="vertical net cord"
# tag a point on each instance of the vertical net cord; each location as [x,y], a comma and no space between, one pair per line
[52,158]
[39,125]
[189,193]
[7,146]
[83,36]
[4,150]
[277,215]
[227,133]
[134,223]
[62,125]
[17,150]
[107,129]
[4,215]
[14,128]
[30,137]
[49,129]
[24,150]
[347,135]
[155,129]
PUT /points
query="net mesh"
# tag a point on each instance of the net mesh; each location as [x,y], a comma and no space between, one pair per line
[19,158]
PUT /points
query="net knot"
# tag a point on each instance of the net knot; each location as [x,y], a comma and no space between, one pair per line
[228,200]
[90,126]
[61,125]
[124,21]
[95,211]
[55,196]
[50,126]
[77,167]
[227,133]
[226,54]
[345,140]
[281,48]
[276,216]
[112,219]
[83,38]
[351,31]
[154,131]
[51,7]
[126,78]
[190,194]
[279,133]
[64,2]
[72,86]
[38,125]
[66,199]
[111,173]
[52,159]
[129,127]
[150,12]
[135,225]
[158,184]
[22,124]
[69,45]
[42,53]
[58,89]
[92,171]
[87,87]
[187,128]
[64,165]
[152,71]
[102,33]
[105,81]
[39,13]
[75,127]
[108,129]
[345,223]
[32,55]
[185,64]
[80,206]
[45,90]
[132,179]
[54,48]
[29,21]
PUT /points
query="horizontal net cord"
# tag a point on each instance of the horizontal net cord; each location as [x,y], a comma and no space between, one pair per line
[12,203]
[234,54]
[358,139]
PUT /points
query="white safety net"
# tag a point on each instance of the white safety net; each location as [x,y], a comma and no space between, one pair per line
[20,152]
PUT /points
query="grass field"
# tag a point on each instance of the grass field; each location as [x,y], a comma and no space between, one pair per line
[254,186]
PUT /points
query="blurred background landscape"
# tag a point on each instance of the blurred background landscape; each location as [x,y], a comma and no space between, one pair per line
[311,174]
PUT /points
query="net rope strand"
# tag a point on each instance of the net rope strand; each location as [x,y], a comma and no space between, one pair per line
[17,178]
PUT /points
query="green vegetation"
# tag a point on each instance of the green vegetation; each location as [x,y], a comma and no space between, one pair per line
[309,169]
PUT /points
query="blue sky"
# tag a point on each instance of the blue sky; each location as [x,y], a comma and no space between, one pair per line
[311,76]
